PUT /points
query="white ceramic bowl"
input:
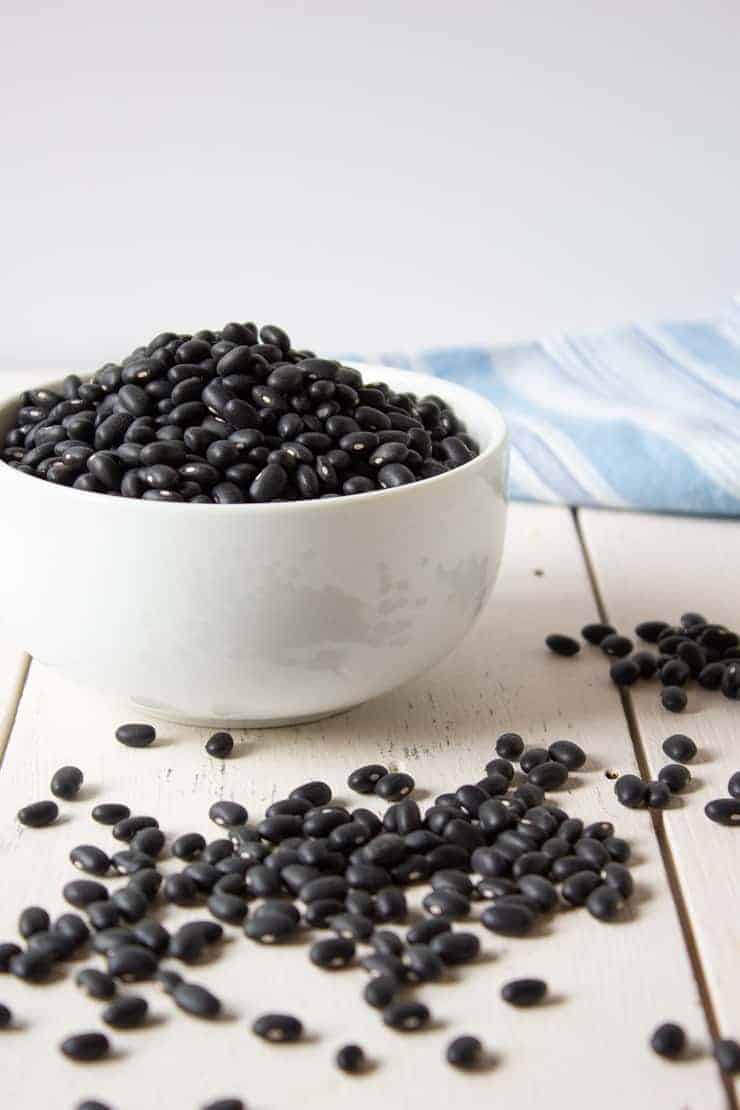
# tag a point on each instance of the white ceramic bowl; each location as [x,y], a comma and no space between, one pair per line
[256,614]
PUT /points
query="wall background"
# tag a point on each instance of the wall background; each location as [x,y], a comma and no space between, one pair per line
[372,176]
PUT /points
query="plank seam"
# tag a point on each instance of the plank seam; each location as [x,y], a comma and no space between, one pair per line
[12,714]
[664,846]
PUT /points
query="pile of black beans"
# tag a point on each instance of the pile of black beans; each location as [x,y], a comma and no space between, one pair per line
[693,649]
[232,416]
[314,864]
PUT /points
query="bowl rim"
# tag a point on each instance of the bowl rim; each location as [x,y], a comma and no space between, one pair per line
[494,419]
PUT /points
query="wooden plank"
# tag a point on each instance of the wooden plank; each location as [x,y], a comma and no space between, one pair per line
[661,566]
[611,984]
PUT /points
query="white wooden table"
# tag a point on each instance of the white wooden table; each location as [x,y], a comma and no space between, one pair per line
[674,956]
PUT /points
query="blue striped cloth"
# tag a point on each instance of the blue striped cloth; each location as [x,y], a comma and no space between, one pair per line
[638,417]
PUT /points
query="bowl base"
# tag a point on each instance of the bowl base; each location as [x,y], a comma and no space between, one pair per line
[171,716]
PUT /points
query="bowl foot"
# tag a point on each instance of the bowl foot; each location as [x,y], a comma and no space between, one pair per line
[164,713]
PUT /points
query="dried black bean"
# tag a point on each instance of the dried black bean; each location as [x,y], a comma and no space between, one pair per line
[668,1040]
[675,776]
[616,645]
[658,795]
[180,889]
[562,645]
[103,915]
[350,1058]
[188,846]
[196,1000]
[131,903]
[278,1028]
[733,786]
[631,791]
[508,920]
[95,983]
[352,926]
[727,1054]
[524,992]
[455,948]
[110,813]
[86,1046]
[136,736]
[31,966]
[595,633]
[32,920]
[333,953]
[38,815]
[394,786]
[131,962]
[227,907]
[724,811]
[406,1016]
[679,748]
[126,1012]
[464,1052]
[228,814]
[270,927]
[66,783]
[549,775]
[673,699]
[364,779]
[7,951]
[532,757]
[152,935]
[127,828]
[604,903]
[86,857]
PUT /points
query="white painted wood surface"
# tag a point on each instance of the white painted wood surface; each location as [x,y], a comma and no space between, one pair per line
[611,984]
[688,565]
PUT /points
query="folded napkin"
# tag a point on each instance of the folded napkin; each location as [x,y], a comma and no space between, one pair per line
[637,417]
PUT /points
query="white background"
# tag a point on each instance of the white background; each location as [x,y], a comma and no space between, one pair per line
[373,176]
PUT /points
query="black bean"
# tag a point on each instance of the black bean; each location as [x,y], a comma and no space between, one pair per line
[673,698]
[549,775]
[455,880]
[131,862]
[631,791]
[675,776]
[227,907]
[427,929]
[730,685]
[110,813]
[724,811]
[188,846]
[180,889]
[86,1046]
[679,748]
[668,1040]
[149,841]
[595,633]
[32,920]
[31,966]
[464,1052]
[270,927]
[220,745]
[350,1058]
[333,953]
[733,785]
[509,746]
[66,783]
[131,962]
[73,927]
[711,676]
[103,915]
[108,939]
[131,903]
[81,892]
[562,645]
[127,828]
[727,1054]
[455,948]
[624,672]
[228,814]
[524,992]
[152,935]
[577,887]
[423,964]
[381,990]
[532,757]
[390,905]
[88,858]
[658,795]
[352,926]
[7,951]
[126,1012]
[406,1016]
[38,815]
[394,786]
[136,736]
[278,1028]
[604,903]
[616,645]
[619,877]
[508,920]
[95,983]
[540,891]
[446,903]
